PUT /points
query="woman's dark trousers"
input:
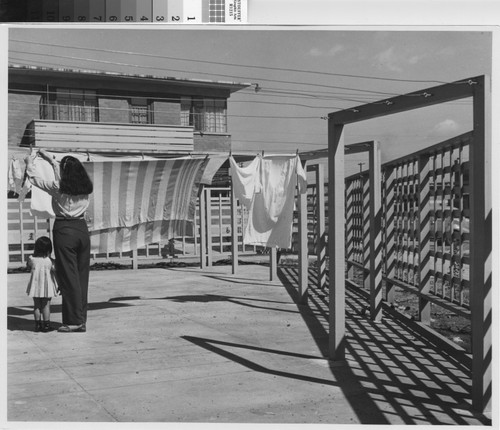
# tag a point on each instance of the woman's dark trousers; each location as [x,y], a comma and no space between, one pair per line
[72,252]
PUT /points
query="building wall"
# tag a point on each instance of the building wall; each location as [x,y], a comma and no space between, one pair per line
[23,108]
[113,110]
[204,142]
[168,113]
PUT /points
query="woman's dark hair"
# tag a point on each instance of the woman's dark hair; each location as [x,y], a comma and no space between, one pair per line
[43,247]
[74,177]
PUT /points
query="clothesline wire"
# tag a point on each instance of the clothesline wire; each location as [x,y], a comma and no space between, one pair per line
[149,153]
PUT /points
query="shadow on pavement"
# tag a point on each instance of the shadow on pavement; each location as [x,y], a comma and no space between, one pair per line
[404,376]
[21,318]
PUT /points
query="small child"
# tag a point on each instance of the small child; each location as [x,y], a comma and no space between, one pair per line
[42,285]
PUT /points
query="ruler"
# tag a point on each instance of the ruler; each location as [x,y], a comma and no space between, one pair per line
[137,11]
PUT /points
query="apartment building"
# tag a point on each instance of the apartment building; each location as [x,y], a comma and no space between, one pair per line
[113,112]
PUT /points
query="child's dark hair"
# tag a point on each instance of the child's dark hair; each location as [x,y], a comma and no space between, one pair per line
[43,247]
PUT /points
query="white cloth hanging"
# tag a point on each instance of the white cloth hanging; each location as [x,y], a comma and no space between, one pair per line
[16,175]
[41,201]
[267,188]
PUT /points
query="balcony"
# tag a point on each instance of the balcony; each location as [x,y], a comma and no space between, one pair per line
[99,136]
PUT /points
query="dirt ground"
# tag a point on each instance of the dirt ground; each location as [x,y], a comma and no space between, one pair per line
[454,327]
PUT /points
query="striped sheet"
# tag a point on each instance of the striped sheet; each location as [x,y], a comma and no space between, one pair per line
[136,203]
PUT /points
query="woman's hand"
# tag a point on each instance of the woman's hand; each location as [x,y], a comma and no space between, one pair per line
[45,154]
[29,159]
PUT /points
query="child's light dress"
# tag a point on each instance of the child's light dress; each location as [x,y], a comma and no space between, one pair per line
[42,282]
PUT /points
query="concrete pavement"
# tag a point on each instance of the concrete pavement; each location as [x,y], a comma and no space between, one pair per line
[183,345]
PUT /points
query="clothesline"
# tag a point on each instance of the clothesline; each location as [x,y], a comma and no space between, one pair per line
[166,152]
[140,200]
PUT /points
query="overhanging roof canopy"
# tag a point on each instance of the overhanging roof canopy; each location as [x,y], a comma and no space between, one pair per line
[26,74]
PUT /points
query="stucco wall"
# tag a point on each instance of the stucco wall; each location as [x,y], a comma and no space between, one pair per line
[212,142]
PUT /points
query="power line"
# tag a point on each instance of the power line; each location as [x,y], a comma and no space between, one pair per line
[269,80]
[249,66]
[289,94]
[191,113]
[115,63]
[175,99]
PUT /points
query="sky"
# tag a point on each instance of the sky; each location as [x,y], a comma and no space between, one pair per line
[303,75]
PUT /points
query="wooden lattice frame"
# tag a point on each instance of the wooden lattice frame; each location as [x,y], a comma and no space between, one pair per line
[477,88]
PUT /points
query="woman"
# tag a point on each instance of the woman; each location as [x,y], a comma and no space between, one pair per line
[70,199]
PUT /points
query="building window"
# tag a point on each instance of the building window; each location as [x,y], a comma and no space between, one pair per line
[204,114]
[140,111]
[66,104]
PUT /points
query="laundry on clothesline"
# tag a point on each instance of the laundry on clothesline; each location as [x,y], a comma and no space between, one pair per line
[41,201]
[266,187]
[135,203]
[16,174]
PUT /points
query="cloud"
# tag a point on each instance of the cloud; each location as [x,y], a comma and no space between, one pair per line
[388,60]
[332,52]
[446,127]
[316,52]
[396,61]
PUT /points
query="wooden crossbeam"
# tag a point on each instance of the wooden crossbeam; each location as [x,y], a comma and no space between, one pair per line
[418,99]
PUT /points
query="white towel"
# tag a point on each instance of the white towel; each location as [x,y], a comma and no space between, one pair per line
[267,188]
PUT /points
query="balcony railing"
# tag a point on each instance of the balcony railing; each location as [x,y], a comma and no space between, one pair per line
[109,136]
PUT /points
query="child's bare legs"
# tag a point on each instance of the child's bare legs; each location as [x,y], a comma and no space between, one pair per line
[37,311]
[42,312]
[46,314]
[45,305]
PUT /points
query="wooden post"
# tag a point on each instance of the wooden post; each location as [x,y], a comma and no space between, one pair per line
[375,233]
[320,225]
[390,231]
[366,228]
[424,238]
[35,227]
[221,240]
[203,229]
[208,206]
[21,230]
[273,270]
[336,239]
[481,246]
[350,237]
[371,200]
[195,234]
[135,262]
[234,231]
[303,251]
